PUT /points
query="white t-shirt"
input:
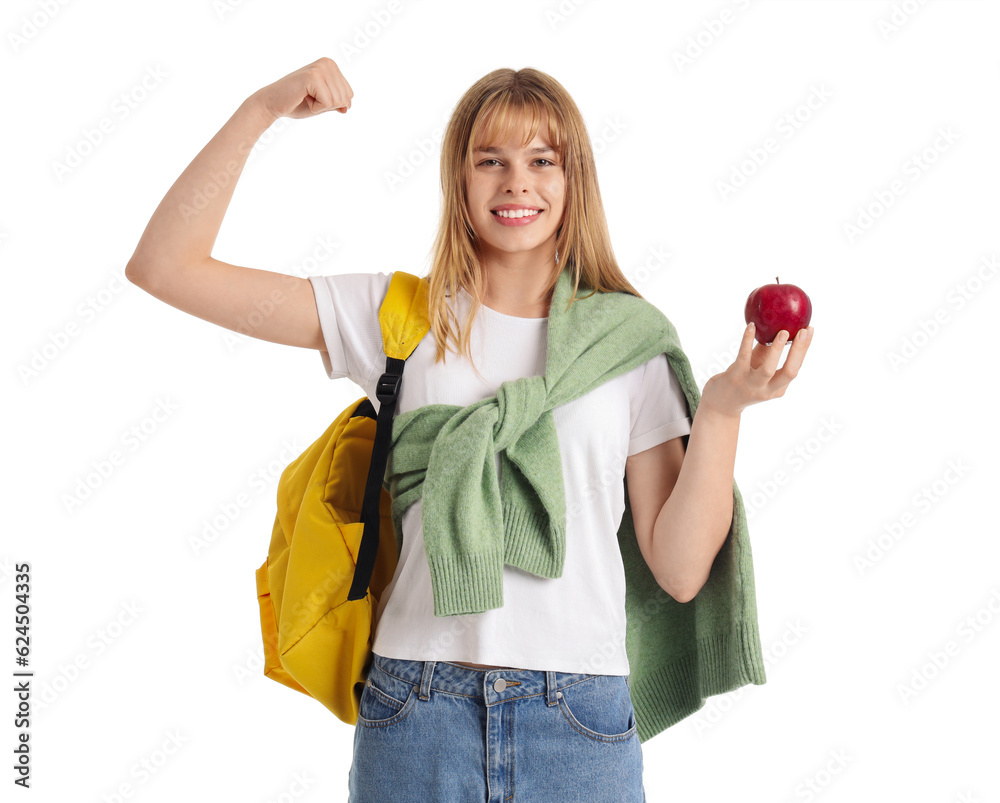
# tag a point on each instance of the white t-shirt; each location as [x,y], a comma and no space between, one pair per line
[573,623]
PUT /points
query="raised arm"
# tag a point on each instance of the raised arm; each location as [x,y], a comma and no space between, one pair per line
[173,260]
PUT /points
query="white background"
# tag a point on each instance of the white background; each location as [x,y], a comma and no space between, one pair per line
[883,447]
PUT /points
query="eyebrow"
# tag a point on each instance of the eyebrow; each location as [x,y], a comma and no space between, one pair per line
[500,151]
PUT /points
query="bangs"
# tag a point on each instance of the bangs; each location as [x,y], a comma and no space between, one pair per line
[512,117]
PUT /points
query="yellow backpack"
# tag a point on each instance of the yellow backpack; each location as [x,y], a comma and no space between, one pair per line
[327,567]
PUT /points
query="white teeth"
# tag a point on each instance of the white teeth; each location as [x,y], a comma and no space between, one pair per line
[517,212]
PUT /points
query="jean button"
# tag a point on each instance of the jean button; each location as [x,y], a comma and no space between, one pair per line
[499,684]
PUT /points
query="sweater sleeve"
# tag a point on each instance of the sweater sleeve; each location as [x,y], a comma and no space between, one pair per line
[348,306]
[659,410]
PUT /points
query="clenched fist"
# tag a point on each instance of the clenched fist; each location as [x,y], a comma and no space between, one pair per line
[316,88]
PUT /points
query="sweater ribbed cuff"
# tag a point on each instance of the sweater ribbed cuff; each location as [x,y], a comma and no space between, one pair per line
[532,543]
[466,583]
[722,663]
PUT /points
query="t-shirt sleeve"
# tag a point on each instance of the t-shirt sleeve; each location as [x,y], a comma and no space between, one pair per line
[659,408]
[348,306]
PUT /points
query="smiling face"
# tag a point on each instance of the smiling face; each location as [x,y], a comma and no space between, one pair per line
[528,180]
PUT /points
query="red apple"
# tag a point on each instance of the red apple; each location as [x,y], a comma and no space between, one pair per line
[773,307]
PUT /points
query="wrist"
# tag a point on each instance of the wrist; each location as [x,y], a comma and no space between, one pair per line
[256,106]
[714,406]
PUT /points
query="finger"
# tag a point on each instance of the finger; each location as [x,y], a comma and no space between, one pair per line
[321,88]
[341,91]
[322,99]
[345,88]
[746,345]
[795,356]
[774,352]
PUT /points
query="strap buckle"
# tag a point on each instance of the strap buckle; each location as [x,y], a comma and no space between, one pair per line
[387,388]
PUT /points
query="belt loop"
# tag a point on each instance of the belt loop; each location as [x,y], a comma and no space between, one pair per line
[425,680]
[550,688]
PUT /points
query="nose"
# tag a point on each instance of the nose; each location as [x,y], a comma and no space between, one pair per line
[515,180]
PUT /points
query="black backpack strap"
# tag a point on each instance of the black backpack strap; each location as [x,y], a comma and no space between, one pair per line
[387,392]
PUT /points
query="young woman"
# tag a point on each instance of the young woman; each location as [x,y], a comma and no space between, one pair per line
[531,698]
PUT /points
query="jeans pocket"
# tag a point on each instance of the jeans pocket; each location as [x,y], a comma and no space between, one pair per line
[599,708]
[386,699]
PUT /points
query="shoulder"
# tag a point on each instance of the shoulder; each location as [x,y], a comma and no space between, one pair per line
[638,311]
[357,289]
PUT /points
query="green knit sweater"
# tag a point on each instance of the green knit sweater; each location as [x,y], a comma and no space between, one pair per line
[678,653]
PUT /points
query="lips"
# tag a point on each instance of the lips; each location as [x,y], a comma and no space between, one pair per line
[517,221]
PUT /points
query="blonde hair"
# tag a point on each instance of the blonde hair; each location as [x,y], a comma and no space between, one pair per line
[491,110]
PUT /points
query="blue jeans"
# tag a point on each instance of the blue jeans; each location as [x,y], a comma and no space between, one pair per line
[437,731]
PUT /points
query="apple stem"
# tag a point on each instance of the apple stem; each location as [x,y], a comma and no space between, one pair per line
[776,280]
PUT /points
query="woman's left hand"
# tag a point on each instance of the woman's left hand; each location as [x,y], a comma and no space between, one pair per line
[753,377]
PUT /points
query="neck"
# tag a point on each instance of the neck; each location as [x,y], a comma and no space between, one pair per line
[518,286]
